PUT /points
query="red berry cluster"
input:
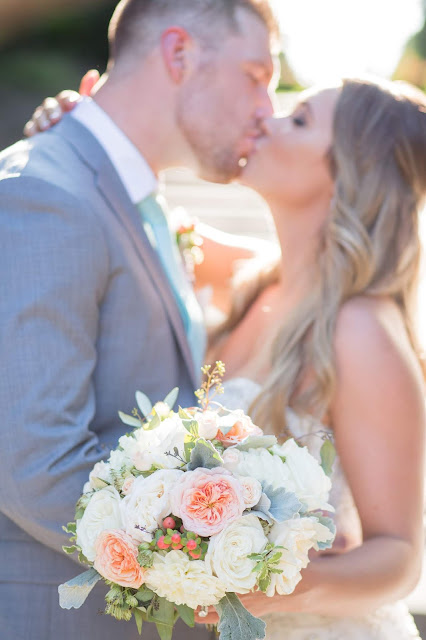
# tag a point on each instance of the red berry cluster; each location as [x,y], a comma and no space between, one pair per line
[173,536]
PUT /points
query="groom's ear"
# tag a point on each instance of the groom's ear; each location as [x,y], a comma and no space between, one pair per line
[176,47]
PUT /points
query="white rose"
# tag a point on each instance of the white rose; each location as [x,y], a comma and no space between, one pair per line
[232,458]
[148,503]
[252,490]
[183,581]
[298,536]
[152,447]
[100,475]
[119,461]
[127,485]
[207,424]
[304,476]
[102,512]
[228,550]
[258,464]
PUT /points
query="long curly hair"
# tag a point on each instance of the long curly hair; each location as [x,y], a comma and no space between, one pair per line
[369,244]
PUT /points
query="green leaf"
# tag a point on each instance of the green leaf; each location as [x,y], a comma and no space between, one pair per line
[188,447]
[187,614]
[154,422]
[70,550]
[144,594]
[71,527]
[191,426]
[73,593]
[171,397]
[183,415]
[256,442]
[204,455]
[162,613]
[236,623]
[138,619]
[144,403]
[328,455]
[129,420]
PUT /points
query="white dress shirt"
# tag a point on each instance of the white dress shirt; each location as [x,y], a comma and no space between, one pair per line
[135,173]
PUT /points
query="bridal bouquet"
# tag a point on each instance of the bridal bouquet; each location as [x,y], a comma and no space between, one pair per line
[194,507]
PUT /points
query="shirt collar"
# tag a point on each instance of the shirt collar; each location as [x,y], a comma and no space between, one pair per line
[135,173]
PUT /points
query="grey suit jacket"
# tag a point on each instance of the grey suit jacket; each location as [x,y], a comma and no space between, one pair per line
[87,317]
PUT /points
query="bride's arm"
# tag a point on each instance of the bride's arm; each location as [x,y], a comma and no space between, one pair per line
[378,416]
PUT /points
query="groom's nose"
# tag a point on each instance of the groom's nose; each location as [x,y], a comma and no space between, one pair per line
[265,107]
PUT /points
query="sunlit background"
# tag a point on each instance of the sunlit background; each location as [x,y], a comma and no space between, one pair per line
[327,38]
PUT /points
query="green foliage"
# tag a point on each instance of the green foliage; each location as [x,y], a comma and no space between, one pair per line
[236,623]
[267,562]
[187,614]
[204,455]
[328,455]
[162,613]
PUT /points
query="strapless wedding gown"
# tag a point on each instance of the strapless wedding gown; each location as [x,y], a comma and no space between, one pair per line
[390,622]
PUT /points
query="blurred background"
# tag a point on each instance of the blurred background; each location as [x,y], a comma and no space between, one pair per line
[47,45]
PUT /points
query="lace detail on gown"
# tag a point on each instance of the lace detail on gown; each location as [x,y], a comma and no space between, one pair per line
[390,622]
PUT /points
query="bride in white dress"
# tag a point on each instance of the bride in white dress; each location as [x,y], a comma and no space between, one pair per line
[328,344]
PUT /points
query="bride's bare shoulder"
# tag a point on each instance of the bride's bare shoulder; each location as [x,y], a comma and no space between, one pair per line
[371,340]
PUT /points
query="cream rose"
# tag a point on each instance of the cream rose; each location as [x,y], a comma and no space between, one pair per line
[148,503]
[298,536]
[183,581]
[228,550]
[258,464]
[207,424]
[252,490]
[304,476]
[100,475]
[102,512]
[152,447]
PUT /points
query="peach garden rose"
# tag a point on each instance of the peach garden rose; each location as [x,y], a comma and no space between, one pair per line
[117,559]
[207,500]
[241,427]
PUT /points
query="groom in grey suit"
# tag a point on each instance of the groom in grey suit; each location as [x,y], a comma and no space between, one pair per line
[89,311]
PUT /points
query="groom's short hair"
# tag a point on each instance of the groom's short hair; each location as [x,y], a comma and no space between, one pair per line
[137,24]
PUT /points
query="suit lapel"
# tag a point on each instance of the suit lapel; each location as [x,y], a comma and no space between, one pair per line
[116,197]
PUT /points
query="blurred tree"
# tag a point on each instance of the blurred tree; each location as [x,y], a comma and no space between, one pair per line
[61,44]
[412,66]
[14,18]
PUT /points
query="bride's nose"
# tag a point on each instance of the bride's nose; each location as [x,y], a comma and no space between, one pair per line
[275,124]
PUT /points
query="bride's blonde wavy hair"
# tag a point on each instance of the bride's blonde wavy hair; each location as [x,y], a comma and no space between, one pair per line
[370,242]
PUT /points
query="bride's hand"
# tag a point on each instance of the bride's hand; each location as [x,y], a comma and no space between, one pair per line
[52,109]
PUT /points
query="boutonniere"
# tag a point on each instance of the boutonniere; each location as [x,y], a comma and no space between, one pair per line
[190,245]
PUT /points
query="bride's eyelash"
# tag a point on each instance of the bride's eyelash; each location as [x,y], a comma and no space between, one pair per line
[299,121]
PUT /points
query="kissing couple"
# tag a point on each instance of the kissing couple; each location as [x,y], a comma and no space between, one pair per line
[96,304]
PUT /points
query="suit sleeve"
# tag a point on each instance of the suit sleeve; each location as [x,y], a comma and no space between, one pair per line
[54,271]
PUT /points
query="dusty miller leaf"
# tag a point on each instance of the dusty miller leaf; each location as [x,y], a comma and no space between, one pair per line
[72,594]
[284,504]
[235,622]
[329,523]
[204,455]
[256,442]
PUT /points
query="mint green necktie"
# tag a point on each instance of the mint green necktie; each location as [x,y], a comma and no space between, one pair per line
[157,229]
